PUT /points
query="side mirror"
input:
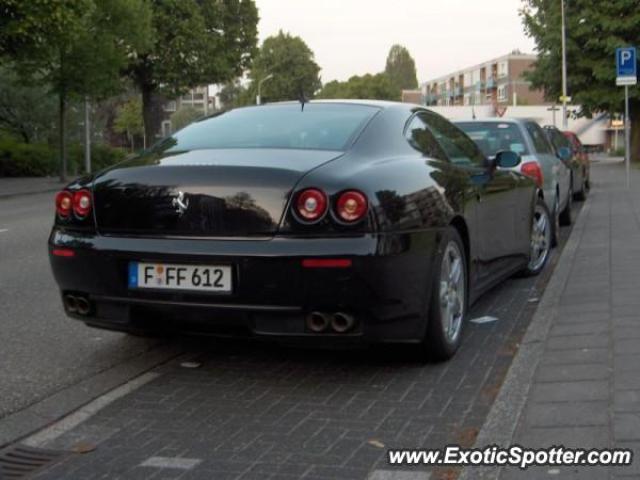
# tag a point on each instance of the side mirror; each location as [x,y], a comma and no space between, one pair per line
[507,159]
[564,154]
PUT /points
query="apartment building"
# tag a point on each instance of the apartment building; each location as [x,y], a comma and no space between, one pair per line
[499,81]
[202,98]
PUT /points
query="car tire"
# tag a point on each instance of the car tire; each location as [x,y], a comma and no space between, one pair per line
[555,223]
[541,240]
[566,214]
[581,196]
[445,322]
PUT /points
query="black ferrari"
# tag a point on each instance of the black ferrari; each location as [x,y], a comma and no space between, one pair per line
[327,221]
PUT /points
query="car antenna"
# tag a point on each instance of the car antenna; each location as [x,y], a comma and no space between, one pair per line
[302,99]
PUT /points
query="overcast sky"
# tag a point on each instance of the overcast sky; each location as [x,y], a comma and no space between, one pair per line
[353,37]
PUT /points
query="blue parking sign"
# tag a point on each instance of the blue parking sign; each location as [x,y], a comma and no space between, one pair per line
[626,66]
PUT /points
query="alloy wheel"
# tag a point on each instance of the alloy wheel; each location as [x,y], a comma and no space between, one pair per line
[452,291]
[540,238]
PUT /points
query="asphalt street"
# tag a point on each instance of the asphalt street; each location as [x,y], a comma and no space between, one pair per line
[41,350]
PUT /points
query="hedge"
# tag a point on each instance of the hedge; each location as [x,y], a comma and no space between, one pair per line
[36,160]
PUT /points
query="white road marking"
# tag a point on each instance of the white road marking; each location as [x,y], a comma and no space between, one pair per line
[485,319]
[2,230]
[171,462]
[76,418]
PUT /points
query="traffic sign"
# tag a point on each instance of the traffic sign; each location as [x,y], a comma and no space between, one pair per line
[626,66]
[626,75]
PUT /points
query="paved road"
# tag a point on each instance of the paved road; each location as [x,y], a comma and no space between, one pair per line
[249,411]
[41,350]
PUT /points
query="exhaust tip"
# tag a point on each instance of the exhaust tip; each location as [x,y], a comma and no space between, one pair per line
[342,322]
[84,307]
[318,322]
[70,303]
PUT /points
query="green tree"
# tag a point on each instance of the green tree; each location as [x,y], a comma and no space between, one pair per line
[184,116]
[375,87]
[594,31]
[77,47]
[27,111]
[194,42]
[291,63]
[234,94]
[401,68]
[128,120]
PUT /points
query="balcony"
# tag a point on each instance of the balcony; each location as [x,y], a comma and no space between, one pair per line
[491,82]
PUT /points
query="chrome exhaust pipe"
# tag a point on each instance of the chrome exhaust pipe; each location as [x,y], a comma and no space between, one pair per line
[70,303]
[84,307]
[318,322]
[342,322]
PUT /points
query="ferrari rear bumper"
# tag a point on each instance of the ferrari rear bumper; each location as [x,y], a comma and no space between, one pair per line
[384,287]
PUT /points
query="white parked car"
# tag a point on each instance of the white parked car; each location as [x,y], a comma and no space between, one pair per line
[539,159]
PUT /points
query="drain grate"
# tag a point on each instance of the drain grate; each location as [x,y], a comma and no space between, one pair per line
[20,461]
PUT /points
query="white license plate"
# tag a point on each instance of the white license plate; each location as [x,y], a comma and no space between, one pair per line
[206,278]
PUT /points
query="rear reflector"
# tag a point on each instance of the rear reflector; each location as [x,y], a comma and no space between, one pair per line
[326,263]
[63,252]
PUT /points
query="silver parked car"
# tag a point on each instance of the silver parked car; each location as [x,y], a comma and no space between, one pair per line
[539,159]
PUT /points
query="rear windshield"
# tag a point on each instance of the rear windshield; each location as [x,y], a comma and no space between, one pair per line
[317,127]
[492,137]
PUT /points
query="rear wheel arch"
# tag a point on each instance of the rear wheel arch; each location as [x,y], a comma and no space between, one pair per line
[461,226]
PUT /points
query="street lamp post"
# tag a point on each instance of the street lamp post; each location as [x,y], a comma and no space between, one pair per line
[565,121]
[259,96]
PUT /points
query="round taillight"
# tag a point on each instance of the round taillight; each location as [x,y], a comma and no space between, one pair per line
[311,205]
[64,203]
[351,206]
[82,203]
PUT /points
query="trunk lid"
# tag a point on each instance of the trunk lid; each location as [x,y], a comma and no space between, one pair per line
[214,193]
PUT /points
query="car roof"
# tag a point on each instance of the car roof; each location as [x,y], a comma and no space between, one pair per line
[381,104]
[493,120]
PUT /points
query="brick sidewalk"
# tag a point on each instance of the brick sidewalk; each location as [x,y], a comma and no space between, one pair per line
[585,391]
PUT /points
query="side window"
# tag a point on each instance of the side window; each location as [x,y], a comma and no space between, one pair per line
[538,138]
[420,137]
[460,149]
[559,140]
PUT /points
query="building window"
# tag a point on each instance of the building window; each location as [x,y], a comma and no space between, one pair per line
[170,106]
[166,128]
[503,69]
[502,93]
[475,77]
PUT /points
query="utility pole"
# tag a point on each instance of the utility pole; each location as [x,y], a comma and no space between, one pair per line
[565,120]
[87,136]
[259,97]
[627,136]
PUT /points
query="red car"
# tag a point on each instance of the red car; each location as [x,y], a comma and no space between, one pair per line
[581,153]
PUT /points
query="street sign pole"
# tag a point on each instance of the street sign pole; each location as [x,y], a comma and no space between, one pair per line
[627,74]
[627,135]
